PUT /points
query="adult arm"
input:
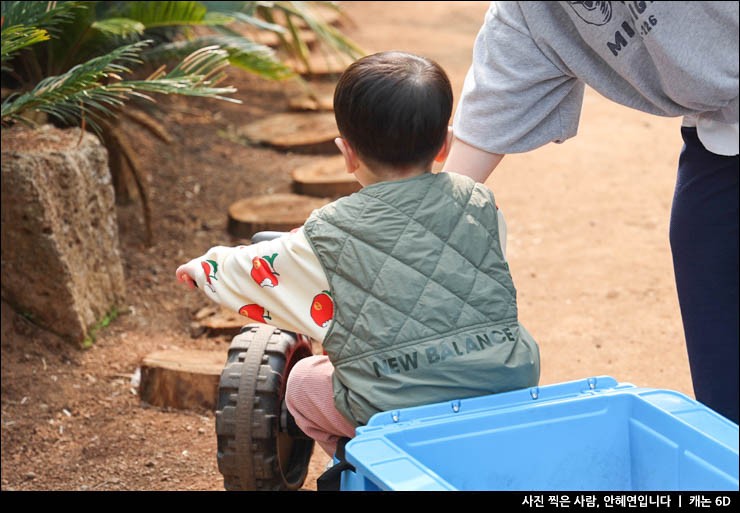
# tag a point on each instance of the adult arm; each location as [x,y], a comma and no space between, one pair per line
[471,161]
[516,96]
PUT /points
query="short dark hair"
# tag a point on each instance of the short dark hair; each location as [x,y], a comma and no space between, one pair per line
[394,108]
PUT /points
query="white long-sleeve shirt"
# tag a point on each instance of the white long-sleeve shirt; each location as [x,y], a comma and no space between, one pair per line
[278,282]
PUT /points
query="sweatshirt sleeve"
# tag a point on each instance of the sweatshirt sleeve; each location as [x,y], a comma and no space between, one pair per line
[278,282]
[515,98]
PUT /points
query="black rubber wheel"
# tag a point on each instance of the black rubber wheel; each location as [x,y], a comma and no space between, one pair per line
[256,449]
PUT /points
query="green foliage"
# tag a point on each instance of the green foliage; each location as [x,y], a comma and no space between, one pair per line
[17,37]
[66,59]
[242,53]
[108,318]
[326,33]
[27,315]
[27,23]
[82,92]
[168,14]
[122,27]
[78,63]
[48,15]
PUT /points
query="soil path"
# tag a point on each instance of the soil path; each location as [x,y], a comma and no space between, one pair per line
[588,249]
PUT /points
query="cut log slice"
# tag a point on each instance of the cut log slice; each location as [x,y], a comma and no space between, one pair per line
[185,379]
[319,65]
[312,102]
[217,321]
[314,95]
[271,39]
[298,131]
[273,212]
[326,178]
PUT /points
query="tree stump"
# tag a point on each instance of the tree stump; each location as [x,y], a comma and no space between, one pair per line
[186,380]
[215,321]
[319,65]
[271,39]
[326,178]
[273,212]
[313,95]
[310,132]
[312,101]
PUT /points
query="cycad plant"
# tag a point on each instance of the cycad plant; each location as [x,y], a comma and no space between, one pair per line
[78,63]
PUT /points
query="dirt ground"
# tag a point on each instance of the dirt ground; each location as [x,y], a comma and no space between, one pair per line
[588,249]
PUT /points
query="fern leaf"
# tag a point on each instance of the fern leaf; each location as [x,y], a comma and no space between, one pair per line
[258,23]
[47,15]
[332,37]
[122,27]
[17,37]
[81,91]
[168,14]
[243,53]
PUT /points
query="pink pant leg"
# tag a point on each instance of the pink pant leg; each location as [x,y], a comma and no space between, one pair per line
[309,397]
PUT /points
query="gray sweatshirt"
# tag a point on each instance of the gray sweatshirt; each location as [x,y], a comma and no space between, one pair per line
[532,59]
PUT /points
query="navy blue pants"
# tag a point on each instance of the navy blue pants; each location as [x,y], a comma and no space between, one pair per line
[704,243]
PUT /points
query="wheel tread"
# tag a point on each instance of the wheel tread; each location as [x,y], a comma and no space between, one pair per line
[247,438]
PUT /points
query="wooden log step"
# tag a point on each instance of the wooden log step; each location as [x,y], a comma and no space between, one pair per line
[311,95]
[271,39]
[327,177]
[319,65]
[326,14]
[217,321]
[181,379]
[273,212]
[311,132]
[312,101]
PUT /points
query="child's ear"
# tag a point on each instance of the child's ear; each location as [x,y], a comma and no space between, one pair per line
[445,149]
[351,162]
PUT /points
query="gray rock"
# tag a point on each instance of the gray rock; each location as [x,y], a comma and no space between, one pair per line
[61,263]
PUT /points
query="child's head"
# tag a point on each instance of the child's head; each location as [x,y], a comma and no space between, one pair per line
[393,109]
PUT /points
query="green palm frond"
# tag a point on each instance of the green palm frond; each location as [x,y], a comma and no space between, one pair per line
[257,22]
[299,45]
[243,53]
[122,27]
[68,84]
[83,92]
[253,57]
[16,38]
[170,14]
[48,15]
[262,15]
[196,75]
[326,33]
[294,12]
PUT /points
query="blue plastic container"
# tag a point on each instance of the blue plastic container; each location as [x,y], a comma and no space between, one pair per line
[595,435]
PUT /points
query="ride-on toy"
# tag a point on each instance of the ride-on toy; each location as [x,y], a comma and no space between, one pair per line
[259,447]
[590,434]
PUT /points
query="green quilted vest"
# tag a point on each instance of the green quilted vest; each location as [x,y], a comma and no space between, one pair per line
[424,305]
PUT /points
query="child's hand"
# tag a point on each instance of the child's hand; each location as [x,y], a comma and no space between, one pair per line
[185,273]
